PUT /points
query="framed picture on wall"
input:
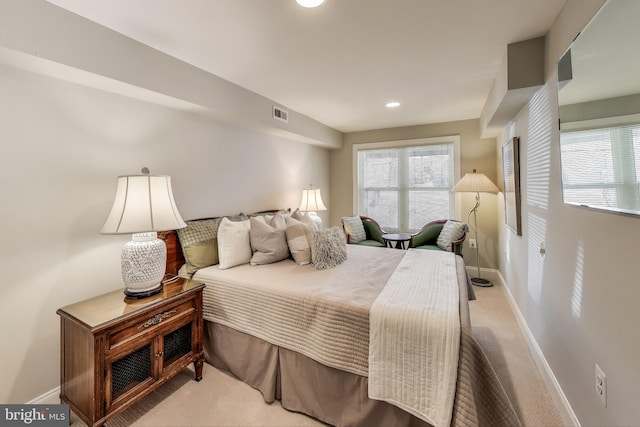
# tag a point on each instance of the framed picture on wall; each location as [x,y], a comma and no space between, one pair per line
[511,176]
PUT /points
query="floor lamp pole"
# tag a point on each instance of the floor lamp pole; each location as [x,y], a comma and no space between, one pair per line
[478,281]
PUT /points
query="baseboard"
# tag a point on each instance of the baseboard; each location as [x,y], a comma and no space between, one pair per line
[562,403]
[52,397]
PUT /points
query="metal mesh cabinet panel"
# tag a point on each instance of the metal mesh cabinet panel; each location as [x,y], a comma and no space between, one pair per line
[132,369]
[177,344]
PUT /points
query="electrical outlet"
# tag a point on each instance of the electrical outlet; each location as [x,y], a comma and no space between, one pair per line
[601,385]
[472,243]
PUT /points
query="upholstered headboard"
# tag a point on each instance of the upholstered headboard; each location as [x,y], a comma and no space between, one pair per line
[175,256]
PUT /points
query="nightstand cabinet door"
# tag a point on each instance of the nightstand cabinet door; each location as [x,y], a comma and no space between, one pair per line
[128,375]
[177,345]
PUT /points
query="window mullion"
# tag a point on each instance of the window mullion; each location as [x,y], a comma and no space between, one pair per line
[403,189]
[624,166]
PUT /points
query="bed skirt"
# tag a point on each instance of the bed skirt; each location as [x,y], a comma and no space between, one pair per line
[301,384]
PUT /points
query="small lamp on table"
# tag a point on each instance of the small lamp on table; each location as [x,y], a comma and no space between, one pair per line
[143,205]
[312,202]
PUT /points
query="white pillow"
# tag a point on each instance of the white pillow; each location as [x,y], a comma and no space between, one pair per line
[354,228]
[299,236]
[452,230]
[305,218]
[234,246]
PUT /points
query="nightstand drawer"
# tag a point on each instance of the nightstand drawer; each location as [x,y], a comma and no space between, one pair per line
[149,324]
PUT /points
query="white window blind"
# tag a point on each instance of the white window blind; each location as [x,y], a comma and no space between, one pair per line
[601,167]
[403,188]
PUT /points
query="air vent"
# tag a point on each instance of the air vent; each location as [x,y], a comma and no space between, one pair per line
[280,114]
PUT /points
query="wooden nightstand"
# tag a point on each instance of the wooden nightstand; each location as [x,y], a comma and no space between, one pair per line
[114,351]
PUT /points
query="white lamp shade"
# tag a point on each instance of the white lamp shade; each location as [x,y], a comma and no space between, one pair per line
[475,183]
[312,200]
[143,203]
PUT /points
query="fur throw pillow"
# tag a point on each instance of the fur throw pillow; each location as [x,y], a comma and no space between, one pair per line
[329,248]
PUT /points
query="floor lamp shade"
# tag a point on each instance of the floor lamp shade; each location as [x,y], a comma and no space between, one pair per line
[143,205]
[476,183]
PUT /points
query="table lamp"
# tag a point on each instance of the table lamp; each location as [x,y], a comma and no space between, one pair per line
[312,202]
[143,205]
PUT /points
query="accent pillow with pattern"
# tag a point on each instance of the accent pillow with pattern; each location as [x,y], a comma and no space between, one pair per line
[354,228]
[451,231]
[199,243]
[299,237]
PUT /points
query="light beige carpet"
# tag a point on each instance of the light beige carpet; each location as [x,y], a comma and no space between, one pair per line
[221,400]
[495,327]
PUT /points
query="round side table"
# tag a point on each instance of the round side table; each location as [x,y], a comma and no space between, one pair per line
[401,240]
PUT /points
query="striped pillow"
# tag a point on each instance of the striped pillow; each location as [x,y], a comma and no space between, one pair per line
[354,228]
[452,230]
[299,237]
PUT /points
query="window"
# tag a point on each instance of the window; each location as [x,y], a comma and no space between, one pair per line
[601,167]
[404,185]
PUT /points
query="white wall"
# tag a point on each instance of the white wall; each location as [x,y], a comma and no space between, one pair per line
[580,300]
[63,145]
[52,38]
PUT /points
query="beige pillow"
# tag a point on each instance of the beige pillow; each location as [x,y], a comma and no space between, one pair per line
[299,237]
[200,255]
[268,239]
[234,246]
[199,243]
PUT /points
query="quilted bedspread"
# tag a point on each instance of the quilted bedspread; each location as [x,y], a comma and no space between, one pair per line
[323,314]
[415,337]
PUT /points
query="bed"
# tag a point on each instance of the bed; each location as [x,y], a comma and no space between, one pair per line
[308,337]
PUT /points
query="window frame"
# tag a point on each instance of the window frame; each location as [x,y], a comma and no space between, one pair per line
[596,125]
[448,139]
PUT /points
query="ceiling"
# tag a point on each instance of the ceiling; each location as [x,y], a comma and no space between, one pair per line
[341,62]
[602,64]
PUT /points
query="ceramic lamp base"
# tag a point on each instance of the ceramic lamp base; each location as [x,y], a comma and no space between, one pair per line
[317,221]
[143,263]
[145,294]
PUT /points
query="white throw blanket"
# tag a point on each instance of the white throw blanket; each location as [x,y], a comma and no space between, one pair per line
[415,337]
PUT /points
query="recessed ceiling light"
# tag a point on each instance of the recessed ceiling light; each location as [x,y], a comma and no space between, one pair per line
[310,3]
[393,104]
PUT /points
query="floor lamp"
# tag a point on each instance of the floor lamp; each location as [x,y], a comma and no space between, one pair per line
[476,183]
